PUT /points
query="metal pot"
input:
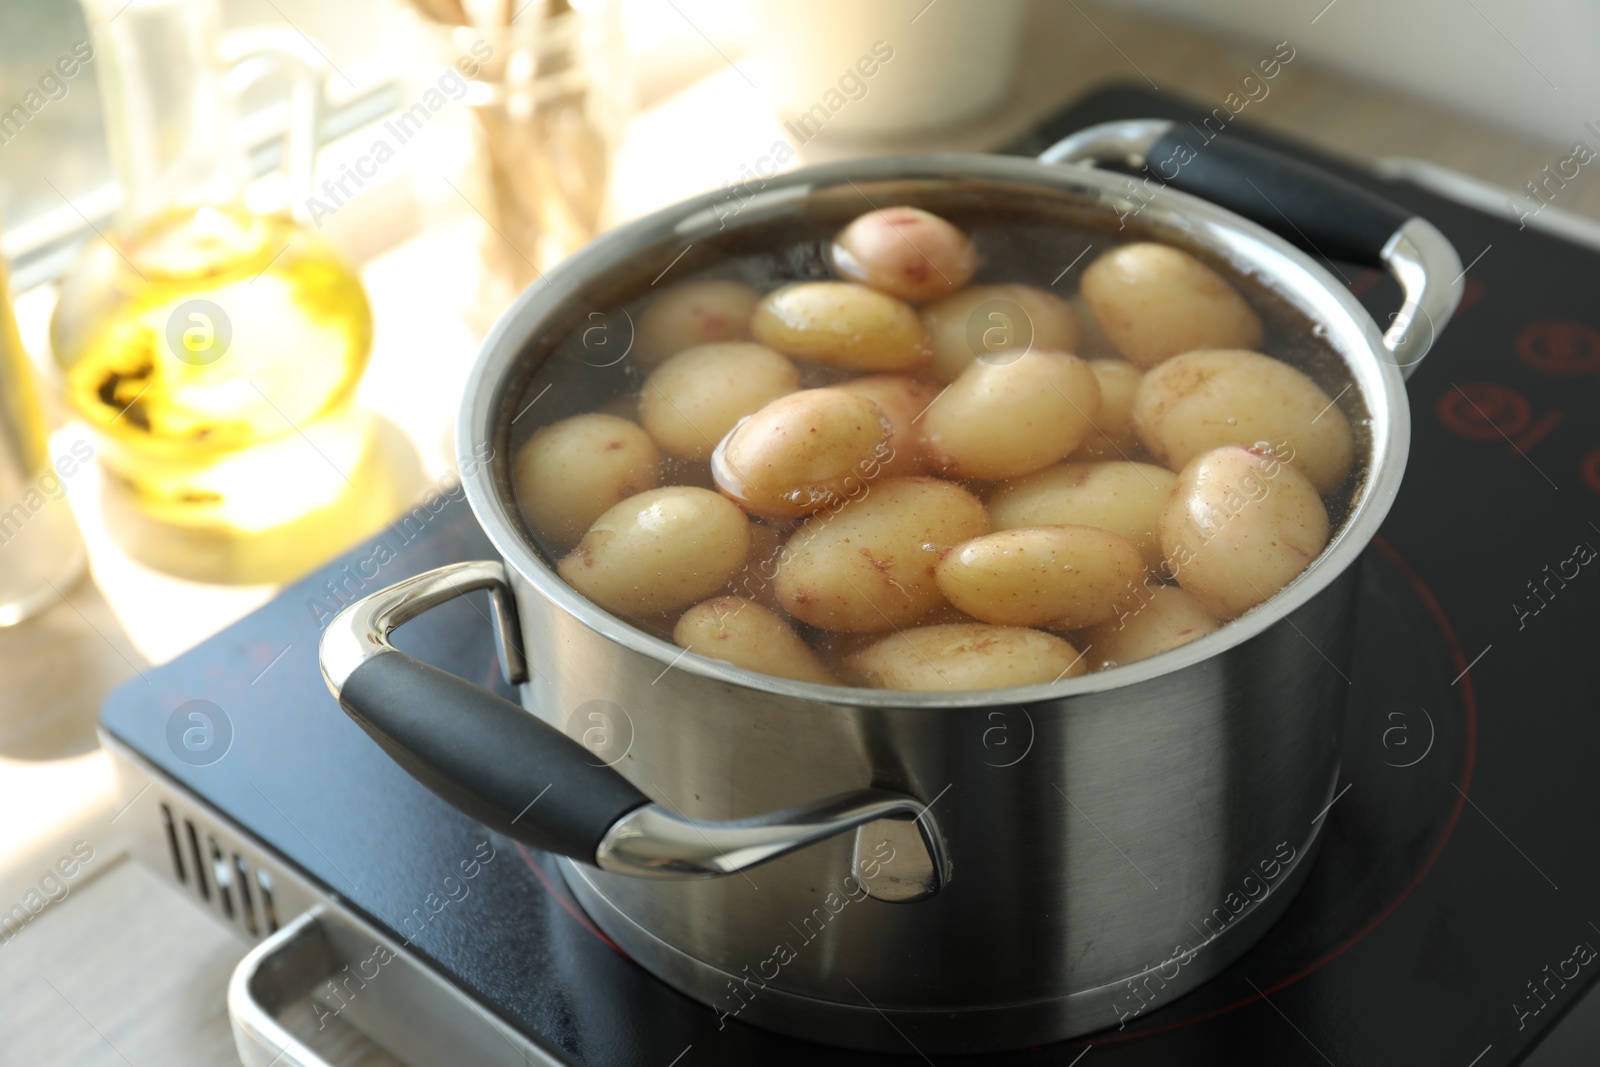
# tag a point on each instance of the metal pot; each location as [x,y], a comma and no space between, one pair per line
[1025,864]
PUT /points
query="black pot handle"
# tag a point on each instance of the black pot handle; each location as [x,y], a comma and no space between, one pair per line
[524,778]
[1316,211]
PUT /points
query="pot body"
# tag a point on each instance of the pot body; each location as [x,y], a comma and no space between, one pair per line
[1114,839]
[1109,850]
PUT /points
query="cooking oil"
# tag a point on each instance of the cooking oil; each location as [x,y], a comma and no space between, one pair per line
[215,351]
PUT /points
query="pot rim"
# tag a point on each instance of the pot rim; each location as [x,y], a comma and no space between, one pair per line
[1250,249]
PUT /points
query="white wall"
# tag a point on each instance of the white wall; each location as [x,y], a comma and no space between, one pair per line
[1533,65]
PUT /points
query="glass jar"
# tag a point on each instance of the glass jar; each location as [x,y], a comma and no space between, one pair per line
[550,93]
[213,349]
[41,551]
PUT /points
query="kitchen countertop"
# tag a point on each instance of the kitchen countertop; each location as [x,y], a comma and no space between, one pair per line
[124,971]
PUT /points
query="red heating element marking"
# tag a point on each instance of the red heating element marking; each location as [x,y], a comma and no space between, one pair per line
[1590,467]
[1484,411]
[1559,346]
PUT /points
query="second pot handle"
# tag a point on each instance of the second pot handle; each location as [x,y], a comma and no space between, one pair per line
[1312,209]
[525,779]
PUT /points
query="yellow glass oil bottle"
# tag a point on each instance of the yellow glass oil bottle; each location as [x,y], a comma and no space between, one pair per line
[214,349]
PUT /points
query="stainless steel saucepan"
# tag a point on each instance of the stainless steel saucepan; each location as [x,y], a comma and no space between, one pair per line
[971,870]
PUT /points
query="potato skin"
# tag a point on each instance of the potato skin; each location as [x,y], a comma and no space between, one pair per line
[902,399]
[962,656]
[1163,617]
[1113,435]
[745,634]
[1154,301]
[1012,416]
[908,253]
[841,324]
[1240,526]
[1125,498]
[689,314]
[659,550]
[1055,577]
[1201,400]
[692,400]
[869,566]
[802,452]
[569,473]
[997,318]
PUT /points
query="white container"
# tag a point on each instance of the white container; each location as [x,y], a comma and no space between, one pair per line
[888,66]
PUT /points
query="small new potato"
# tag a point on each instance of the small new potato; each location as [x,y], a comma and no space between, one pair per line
[905,252]
[1055,577]
[1154,301]
[1163,617]
[1125,498]
[1017,414]
[902,400]
[1201,400]
[691,401]
[802,452]
[1113,436]
[659,550]
[747,635]
[1240,526]
[989,319]
[693,313]
[569,473]
[869,566]
[959,656]
[842,324]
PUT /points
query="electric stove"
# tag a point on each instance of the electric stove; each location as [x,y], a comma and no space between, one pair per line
[1449,918]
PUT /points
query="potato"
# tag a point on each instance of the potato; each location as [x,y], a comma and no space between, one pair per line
[1012,416]
[568,473]
[1240,526]
[905,252]
[842,324]
[693,313]
[691,401]
[747,635]
[988,319]
[1056,577]
[1125,498]
[965,656]
[659,550]
[1200,400]
[801,452]
[1155,301]
[902,400]
[870,565]
[1161,618]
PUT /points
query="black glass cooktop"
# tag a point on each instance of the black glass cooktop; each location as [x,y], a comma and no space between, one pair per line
[1447,919]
